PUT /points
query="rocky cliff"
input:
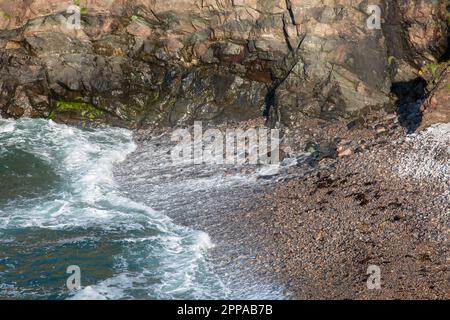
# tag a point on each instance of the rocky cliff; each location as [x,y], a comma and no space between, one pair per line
[138,63]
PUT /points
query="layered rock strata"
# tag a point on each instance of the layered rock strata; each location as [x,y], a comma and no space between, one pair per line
[138,63]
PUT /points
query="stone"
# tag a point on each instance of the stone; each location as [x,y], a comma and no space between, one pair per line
[327,150]
[311,147]
[381,129]
[172,62]
[356,123]
[345,152]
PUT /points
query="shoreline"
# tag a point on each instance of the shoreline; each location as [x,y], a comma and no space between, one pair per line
[321,224]
[210,199]
[312,231]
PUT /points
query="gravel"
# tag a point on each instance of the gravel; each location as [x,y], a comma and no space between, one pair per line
[385,205]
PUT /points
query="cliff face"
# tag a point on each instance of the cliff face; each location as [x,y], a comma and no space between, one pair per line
[436,108]
[171,62]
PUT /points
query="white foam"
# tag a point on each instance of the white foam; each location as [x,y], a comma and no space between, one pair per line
[268,171]
[91,293]
[6,126]
[90,198]
[429,157]
[85,160]
[180,264]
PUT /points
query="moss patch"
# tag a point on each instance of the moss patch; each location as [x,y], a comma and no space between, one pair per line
[85,110]
[52,116]
[5,15]
[433,71]
[391,60]
[153,97]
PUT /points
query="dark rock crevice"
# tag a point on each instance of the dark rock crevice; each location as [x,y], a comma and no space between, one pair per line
[271,112]
[410,96]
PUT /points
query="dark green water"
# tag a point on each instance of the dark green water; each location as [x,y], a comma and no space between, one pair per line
[60,206]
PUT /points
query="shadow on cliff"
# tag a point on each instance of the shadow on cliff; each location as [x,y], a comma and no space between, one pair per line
[410,95]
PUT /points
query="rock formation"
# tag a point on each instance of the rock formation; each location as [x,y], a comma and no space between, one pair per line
[436,108]
[144,62]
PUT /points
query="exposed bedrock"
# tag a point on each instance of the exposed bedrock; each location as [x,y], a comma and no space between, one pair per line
[436,108]
[138,63]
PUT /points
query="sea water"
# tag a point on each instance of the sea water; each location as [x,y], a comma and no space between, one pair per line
[61,206]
